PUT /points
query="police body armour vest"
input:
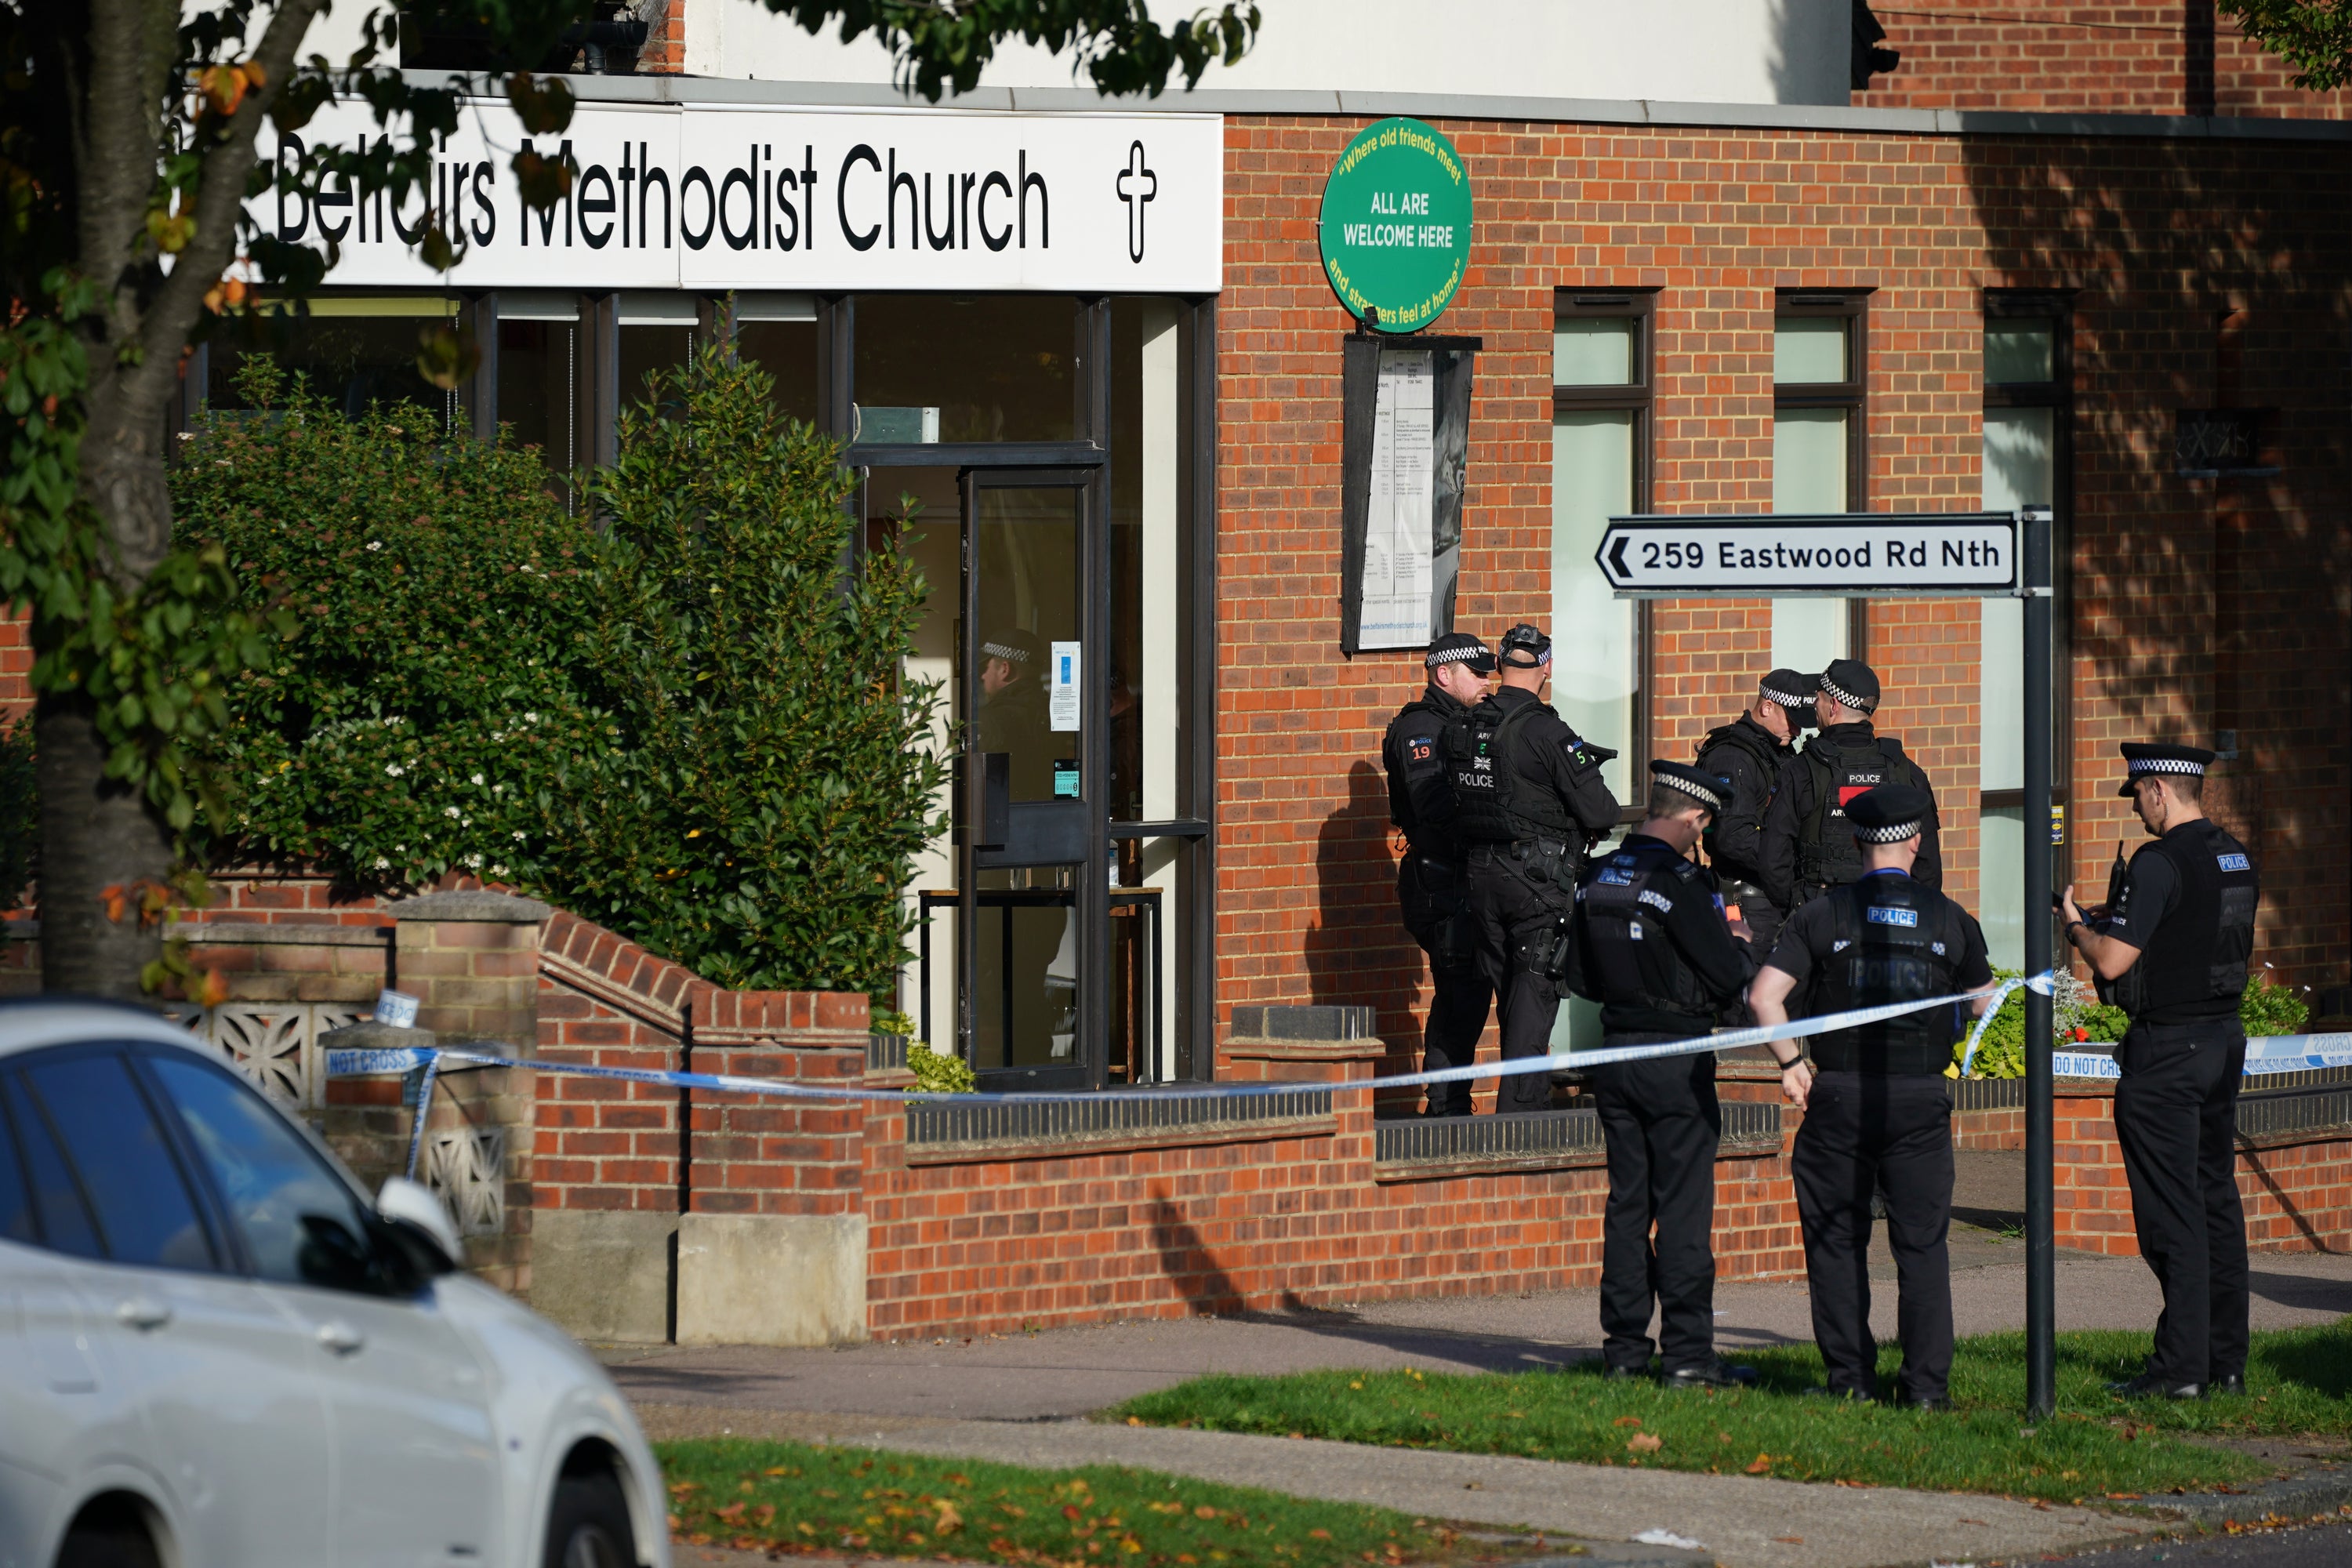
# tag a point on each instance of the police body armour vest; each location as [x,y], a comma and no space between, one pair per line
[2194,966]
[1428,822]
[1634,962]
[1826,854]
[1896,941]
[1757,745]
[1492,804]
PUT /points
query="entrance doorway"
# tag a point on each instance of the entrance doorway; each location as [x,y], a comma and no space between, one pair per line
[1062,931]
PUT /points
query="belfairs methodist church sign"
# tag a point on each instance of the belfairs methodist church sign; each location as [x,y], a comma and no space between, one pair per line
[1395,228]
[713,196]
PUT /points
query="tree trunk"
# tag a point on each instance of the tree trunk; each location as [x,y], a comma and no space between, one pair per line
[95,835]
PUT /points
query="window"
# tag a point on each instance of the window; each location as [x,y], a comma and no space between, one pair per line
[17,1222]
[982,367]
[355,351]
[536,378]
[2026,398]
[1601,403]
[300,1222]
[1820,352]
[778,333]
[117,1157]
[1600,468]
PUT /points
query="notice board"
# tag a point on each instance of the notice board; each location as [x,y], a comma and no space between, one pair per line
[1404,451]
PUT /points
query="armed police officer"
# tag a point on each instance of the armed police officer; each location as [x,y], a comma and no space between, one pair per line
[1528,797]
[1651,946]
[2172,951]
[1877,1117]
[1807,848]
[1432,882]
[1749,752]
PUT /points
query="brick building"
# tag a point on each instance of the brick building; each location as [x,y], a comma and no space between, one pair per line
[2041,260]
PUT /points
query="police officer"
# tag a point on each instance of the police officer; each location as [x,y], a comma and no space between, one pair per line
[1528,797]
[1748,753]
[2172,953]
[1432,883]
[1876,1113]
[1653,949]
[1807,848]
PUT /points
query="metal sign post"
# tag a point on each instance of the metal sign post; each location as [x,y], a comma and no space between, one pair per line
[1879,555]
[2041,1247]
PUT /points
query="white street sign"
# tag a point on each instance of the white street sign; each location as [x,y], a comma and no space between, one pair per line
[1856,554]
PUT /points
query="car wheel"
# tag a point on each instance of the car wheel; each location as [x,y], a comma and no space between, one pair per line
[589,1525]
[107,1546]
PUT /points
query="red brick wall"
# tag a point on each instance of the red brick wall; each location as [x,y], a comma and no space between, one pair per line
[2175,56]
[2298,1194]
[665,50]
[605,1143]
[992,1246]
[2198,604]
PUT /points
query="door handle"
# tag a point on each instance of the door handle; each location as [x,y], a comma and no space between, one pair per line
[339,1337]
[142,1312]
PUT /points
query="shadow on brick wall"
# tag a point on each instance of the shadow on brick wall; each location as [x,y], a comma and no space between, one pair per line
[1187,1261]
[1358,952]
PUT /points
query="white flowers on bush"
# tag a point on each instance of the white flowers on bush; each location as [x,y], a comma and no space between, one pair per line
[395,769]
[382,864]
[478,778]
[449,811]
[375,544]
[518,836]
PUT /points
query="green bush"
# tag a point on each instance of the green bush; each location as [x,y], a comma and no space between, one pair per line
[2266,1008]
[20,812]
[938,1073]
[778,775]
[687,727]
[437,707]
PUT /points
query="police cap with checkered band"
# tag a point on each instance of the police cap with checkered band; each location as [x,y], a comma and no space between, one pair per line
[1708,789]
[1889,814]
[1461,647]
[2142,758]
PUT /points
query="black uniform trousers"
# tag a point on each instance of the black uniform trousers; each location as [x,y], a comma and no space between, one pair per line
[1434,896]
[2177,1119]
[1519,906]
[1662,1125]
[1863,1133]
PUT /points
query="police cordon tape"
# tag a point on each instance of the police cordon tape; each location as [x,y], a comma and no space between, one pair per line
[378,1062]
[2265,1054]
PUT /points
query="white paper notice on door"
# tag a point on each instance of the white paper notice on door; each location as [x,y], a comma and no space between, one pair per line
[1062,689]
[1404,500]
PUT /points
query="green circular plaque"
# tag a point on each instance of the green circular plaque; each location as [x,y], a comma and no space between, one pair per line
[1395,229]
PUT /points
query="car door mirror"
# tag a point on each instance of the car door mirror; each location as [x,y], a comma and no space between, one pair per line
[417,1216]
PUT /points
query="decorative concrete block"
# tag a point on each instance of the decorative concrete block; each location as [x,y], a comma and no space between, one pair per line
[770,1279]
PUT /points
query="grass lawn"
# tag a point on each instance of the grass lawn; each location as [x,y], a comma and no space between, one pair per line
[766,1496]
[2096,1447]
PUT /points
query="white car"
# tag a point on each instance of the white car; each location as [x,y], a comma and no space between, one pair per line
[215,1352]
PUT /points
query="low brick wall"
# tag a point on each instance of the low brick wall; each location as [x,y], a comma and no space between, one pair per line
[1228,1219]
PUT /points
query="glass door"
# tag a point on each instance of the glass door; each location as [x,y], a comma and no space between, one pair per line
[1032,784]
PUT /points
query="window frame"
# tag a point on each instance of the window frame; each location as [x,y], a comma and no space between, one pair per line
[1853,393]
[1638,395]
[2055,306]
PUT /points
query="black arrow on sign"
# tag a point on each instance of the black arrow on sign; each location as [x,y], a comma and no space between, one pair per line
[1617,556]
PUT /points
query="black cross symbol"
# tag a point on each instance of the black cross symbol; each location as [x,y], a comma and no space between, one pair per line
[1135,192]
